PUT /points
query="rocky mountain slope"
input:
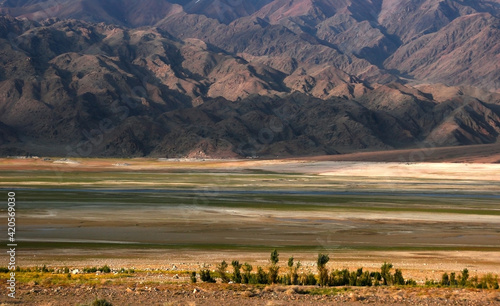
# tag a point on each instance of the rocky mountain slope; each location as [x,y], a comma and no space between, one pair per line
[231,78]
[377,40]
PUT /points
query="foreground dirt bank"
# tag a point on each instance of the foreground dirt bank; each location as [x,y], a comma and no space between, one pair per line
[219,294]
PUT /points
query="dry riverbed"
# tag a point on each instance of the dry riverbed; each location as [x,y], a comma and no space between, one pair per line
[184,215]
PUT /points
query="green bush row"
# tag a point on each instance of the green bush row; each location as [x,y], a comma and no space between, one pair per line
[244,273]
[463,280]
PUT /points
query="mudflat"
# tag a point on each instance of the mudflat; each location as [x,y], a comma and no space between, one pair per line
[425,218]
[253,205]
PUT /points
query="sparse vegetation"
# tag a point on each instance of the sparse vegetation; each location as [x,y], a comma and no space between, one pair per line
[206,276]
[309,279]
[385,273]
[292,278]
[236,271]
[464,278]
[103,269]
[274,269]
[322,271]
[445,280]
[101,302]
[221,270]
[262,277]
[488,282]
[398,278]
[324,277]
[247,269]
[337,277]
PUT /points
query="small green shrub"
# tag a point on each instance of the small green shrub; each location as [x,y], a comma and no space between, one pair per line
[364,279]
[385,272]
[221,270]
[274,269]
[311,279]
[273,274]
[206,276]
[464,277]
[90,270]
[322,271]
[489,282]
[445,280]
[262,277]
[398,278]
[101,302]
[236,277]
[275,257]
[247,269]
[105,269]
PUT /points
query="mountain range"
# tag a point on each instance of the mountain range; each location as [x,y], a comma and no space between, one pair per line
[229,78]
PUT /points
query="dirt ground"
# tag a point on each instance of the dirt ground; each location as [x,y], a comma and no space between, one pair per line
[217,294]
[489,153]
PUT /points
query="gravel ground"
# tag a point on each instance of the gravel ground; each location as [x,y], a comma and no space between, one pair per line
[219,294]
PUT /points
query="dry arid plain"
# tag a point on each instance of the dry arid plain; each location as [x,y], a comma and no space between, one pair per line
[165,217]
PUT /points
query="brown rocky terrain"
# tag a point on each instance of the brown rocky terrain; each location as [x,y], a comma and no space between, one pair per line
[210,294]
[454,51]
[355,36]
